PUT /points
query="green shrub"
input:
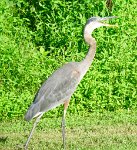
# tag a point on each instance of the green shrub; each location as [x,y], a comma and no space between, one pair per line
[38,37]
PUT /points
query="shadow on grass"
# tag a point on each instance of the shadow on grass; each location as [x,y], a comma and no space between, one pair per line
[3,139]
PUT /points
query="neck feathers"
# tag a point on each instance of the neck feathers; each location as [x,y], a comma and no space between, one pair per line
[92,47]
[86,62]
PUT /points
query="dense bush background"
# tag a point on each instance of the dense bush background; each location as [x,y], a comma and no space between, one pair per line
[38,37]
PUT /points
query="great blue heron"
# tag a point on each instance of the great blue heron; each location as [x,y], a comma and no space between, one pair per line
[60,86]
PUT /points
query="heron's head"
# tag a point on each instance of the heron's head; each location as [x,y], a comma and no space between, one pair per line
[96,22]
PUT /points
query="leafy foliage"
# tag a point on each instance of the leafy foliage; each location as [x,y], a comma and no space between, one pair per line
[39,36]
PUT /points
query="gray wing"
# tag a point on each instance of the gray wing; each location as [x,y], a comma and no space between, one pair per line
[53,92]
[60,84]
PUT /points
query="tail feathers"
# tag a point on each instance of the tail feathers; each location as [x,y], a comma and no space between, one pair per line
[32,112]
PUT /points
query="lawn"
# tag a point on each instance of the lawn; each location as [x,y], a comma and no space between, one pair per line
[94,131]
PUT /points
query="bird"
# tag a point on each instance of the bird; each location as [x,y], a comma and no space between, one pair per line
[60,86]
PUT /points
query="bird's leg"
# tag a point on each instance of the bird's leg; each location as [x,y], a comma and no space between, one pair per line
[35,123]
[63,128]
[63,123]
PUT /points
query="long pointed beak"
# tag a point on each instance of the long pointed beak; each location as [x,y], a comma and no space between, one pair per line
[107,18]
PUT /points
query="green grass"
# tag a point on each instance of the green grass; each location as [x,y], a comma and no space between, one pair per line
[94,131]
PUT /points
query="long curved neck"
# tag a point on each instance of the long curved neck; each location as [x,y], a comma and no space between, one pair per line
[86,62]
[92,48]
[89,28]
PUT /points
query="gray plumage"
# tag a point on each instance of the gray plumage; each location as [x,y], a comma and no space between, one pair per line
[60,86]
